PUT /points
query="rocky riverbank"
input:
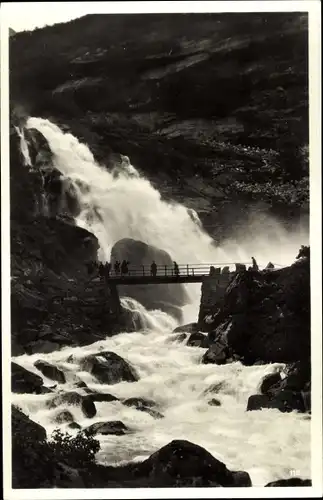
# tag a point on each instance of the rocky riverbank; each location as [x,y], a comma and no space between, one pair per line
[70,463]
[49,263]
[260,317]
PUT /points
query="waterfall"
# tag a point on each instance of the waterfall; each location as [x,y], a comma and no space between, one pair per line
[120,203]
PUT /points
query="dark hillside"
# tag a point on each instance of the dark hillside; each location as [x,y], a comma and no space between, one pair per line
[211,107]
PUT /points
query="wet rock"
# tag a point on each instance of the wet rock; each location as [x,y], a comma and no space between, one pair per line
[181,337]
[268,381]
[115,427]
[145,405]
[50,371]
[67,477]
[46,390]
[241,479]
[198,339]
[67,398]
[109,368]
[23,425]
[139,403]
[189,328]
[63,417]
[284,401]
[74,425]
[307,401]
[215,388]
[88,407]
[287,401]
[214,402]
[257,402]
[182,463]
[293,481]
[103,398]
[269,314]
[81,385]
[23,381]
[216,354]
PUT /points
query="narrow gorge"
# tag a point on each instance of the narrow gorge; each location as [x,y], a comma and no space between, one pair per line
[159,385]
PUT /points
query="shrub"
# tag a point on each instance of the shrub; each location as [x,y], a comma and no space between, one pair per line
[34,463]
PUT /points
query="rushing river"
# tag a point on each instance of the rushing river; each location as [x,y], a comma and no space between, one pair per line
[268,444]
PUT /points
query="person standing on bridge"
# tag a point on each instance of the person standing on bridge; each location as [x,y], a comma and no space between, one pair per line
[117,267]
[153,269]
[107,269]
[255,266]
[124,267]
[176,269]
[101,269]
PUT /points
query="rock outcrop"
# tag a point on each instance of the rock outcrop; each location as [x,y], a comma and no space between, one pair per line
[291,393]
[145,405]
[292,481]
[50,371]
[263,316]
[23,381]
[168,298]
[23,426]
[182,463]
[109,368]
[54,301]
[113,427]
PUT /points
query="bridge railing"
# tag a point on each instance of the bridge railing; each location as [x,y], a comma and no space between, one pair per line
[181,270]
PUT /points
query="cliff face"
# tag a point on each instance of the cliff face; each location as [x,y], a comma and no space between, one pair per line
[213,108]
[262,315]
[54,301]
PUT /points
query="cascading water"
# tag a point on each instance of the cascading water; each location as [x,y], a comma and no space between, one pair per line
[120,204]
[268,444]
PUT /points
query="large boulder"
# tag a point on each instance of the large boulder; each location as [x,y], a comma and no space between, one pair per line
[23,381]
[217,354]
[103,398]
[265,316]
[145,405]
[167,297]
[269,381]
[292,481]
[182,463]
[22,426]
[189,328]
[198,339]
[66,398]
[88,407]
[109,368]
[50,371]
[114,427]
[289,393]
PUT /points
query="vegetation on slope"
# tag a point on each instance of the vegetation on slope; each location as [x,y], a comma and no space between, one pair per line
[213,108]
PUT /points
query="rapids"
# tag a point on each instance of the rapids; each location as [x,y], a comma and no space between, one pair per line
[117,204]
[268,444]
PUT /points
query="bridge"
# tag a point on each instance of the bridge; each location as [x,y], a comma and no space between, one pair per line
[186,273]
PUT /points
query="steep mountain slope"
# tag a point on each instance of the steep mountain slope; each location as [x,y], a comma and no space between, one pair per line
[213,108]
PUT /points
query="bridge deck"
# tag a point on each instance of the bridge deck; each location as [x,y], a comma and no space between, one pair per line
[154,280]
[188,273]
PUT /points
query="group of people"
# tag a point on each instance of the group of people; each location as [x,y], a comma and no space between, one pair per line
[122,268]
[153,269]
[104,270]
